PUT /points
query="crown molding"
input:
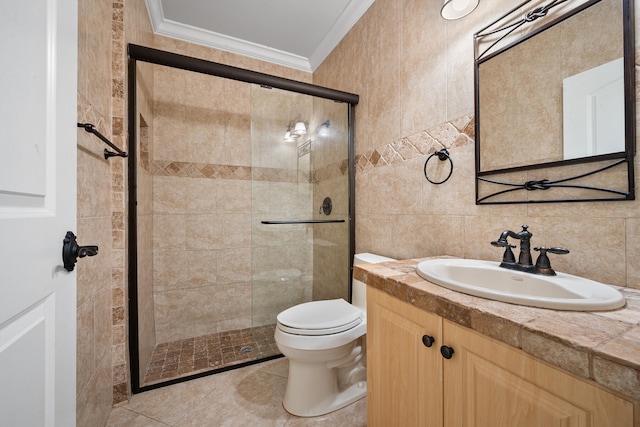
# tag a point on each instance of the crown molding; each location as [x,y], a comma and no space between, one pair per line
[166,27]
[352,13]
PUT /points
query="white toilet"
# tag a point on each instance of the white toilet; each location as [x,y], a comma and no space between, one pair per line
[325,344]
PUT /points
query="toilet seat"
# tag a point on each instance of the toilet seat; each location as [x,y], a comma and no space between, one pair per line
[320,318]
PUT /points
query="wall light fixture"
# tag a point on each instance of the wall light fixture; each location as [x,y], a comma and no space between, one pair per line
[300,128]
[288,136]
[323,129]
[456,9]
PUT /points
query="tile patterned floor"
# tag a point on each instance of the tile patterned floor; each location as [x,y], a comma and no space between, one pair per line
[244,397]
[178,359]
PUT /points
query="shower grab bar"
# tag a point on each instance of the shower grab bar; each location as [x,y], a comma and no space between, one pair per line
[92,129]
[304,221]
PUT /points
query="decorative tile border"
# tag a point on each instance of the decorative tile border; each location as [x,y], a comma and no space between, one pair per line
[120,369]
[217,171]
[199,170]
[332,171]
[455,133]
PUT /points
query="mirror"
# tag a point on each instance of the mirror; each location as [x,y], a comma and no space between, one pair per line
[555,101]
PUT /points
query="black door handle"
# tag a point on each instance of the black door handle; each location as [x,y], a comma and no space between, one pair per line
[71,251]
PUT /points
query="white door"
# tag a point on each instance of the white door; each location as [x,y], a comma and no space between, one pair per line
[593,111]
[38,79]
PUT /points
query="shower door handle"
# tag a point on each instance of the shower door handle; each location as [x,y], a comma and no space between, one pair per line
[304,221]
[71,251]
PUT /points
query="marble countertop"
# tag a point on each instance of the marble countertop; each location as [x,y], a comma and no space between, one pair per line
[600,346]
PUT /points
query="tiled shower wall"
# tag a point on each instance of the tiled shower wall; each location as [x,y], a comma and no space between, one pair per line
[282,262]
[202,164]
[201,219]
[414,73]
[219,169]
[209,172]
[331,179]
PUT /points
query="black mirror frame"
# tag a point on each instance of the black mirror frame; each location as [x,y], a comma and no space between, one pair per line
[618,159]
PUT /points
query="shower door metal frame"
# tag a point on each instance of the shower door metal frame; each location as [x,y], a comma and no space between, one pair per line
[154,56]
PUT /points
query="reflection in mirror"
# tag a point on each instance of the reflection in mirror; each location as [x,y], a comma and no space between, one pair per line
[550,91]
[593,111]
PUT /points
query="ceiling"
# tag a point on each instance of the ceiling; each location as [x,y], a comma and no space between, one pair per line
[295,33]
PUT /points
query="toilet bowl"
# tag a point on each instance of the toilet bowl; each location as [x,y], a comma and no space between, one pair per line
[325,344]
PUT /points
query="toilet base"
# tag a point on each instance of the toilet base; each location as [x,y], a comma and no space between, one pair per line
[315,389]
[317,392]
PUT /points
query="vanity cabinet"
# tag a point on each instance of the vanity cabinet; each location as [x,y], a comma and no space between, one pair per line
[404,377]
[485,383]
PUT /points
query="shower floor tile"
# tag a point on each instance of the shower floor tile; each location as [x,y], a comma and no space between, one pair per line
[190,356]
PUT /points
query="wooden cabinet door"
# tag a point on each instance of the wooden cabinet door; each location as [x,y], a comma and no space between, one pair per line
[487,383]
[404,376]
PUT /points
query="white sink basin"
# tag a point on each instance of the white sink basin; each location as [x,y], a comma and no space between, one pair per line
[487,279]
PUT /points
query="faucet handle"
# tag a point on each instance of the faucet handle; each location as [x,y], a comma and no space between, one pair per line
[557,251]
[508,255]
[543,264]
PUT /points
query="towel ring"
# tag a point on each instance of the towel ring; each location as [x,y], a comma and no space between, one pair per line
[442,155]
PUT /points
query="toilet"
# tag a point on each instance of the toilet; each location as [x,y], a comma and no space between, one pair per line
[325,344]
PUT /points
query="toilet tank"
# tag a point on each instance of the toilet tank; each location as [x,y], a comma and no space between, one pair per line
[359,289]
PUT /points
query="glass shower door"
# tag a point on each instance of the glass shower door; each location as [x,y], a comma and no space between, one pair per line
[229,223]
[300,250]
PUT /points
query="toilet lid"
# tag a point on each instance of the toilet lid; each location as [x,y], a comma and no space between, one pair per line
[320,317]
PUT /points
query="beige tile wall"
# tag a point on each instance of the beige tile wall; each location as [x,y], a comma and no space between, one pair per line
[203,149]
[201,219]
[95,219]
[414,73]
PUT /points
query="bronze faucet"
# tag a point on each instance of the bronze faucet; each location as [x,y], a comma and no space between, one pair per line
[542,266]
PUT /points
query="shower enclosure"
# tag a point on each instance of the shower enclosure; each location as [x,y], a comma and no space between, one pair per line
[240,206]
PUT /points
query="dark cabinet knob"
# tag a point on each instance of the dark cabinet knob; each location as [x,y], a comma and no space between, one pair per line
[446,351]
[428,340]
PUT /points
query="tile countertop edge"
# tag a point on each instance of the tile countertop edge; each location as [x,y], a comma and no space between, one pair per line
[603,347]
